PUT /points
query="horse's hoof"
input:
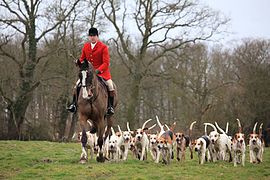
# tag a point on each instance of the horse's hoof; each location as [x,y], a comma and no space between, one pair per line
[100,159]
[93,130]
[82,161]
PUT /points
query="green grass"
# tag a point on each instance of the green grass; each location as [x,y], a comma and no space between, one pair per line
[50,160]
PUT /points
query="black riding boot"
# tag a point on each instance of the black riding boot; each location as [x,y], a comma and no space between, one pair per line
[110,103]
[73,106]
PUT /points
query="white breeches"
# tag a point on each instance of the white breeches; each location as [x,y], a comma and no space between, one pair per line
[109,83]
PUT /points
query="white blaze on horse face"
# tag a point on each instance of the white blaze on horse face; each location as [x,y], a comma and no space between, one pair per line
[85,94]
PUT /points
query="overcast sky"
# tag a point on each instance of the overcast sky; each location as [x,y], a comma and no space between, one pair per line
[249,18]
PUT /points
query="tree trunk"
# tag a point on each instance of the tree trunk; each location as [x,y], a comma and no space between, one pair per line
[133,105]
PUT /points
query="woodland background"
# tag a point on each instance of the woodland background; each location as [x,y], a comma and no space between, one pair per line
[165,60]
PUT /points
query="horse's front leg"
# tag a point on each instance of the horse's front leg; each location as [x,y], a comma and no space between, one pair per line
[83,123]
[101,129]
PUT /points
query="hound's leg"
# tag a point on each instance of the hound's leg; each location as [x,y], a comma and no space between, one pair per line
[125,153]
[183,150]
[152,153]
[203,157]
[200,157]
[158,155]
[143,153]
[234,158]
[243,158]
[170,154]
[251,155]
[178,153]
[260,156]
[191,152]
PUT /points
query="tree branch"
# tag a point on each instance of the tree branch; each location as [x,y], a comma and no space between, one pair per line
[59,22]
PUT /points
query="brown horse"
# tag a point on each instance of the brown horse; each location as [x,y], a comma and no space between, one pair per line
[92,106]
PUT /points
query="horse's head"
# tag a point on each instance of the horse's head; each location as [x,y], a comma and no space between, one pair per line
[86,77]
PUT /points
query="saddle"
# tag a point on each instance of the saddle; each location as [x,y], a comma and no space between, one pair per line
[103,82]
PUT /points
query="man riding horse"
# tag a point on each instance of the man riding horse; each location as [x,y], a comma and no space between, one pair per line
[97,54]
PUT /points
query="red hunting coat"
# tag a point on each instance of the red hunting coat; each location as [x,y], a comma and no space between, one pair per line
[99,57]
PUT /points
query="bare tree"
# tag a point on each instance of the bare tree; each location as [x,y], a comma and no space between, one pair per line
[147,30]
[252,67]
[29,21]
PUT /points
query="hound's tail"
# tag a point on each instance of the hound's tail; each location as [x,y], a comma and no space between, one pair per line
[227,128]
[119,129]
[112,130]
[254,128]
[205,128]
[190,128]
[128,127]
[212,125]
[173,126]
[160,125]
[143,126]
[239,126]
[152,127]
[260,131]
[221,130]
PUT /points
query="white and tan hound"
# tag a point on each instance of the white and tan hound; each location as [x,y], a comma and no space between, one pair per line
[256,145]
[182,142]
[142,141]
[201,146]
[165,144]
[239,146]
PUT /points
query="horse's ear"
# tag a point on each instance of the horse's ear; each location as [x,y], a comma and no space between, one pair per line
[84,65]
[78,62]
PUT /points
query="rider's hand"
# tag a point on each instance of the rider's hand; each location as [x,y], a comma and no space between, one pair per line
[77,62]
[98,71]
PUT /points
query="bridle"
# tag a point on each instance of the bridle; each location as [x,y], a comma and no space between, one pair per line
[88,86]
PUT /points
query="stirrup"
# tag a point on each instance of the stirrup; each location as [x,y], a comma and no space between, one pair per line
[72,108]
[110,111]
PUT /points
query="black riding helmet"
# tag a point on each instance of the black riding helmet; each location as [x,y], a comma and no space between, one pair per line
[93,32]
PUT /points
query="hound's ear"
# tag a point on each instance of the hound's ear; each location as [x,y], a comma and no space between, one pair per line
[201,143]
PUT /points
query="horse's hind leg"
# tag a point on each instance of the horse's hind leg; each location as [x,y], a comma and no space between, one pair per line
[109,125]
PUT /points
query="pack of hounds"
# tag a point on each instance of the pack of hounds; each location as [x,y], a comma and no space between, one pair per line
[217,145]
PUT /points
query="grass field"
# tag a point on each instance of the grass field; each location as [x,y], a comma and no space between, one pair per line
[50,160]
